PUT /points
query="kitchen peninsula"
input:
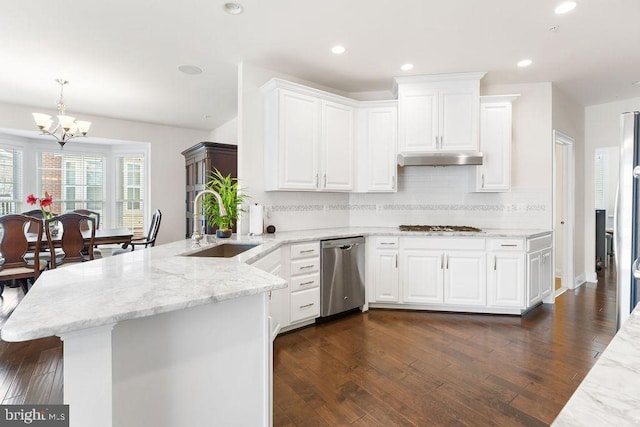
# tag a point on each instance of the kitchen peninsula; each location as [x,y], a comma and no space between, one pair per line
[158,337]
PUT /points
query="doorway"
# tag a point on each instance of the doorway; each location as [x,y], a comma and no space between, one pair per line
[563,211]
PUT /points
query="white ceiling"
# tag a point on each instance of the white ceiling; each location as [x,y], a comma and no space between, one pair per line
[121,56]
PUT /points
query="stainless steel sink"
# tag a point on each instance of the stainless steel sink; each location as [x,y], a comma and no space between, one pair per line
[225,250]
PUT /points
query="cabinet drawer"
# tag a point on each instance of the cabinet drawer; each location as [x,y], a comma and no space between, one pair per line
[305,304]
[302,250]
[444,243]
[387,242]
[505,244]
[305,266]
[308,281]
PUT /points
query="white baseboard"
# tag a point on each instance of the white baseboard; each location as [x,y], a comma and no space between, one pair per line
[592,277]
[579,280]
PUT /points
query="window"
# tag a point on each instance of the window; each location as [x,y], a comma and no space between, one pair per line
[130,199]
[10,181]
[75,181]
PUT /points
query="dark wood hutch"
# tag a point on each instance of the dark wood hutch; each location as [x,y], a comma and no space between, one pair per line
[200,161]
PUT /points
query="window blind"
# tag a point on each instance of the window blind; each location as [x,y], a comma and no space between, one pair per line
[130,199]
[75,181]
[11,197]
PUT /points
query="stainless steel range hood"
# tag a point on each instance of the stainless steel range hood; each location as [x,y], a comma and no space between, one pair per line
[440,159]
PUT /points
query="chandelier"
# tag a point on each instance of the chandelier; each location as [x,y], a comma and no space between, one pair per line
[67,126]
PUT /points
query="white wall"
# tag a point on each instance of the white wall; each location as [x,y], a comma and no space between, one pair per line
[568,118]
[443,195]
[226,133]
[285,210]
[602,129]
[167,164]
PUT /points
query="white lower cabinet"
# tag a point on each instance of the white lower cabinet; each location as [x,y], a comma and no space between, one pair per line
[304,279]
[479,274]
[422,276]
[506,273]
[465,278]
[539,270]
[279,298]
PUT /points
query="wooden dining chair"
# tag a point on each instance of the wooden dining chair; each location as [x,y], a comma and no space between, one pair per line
[97,253]
[92,214]
[14,246]
[71,240]
[149,240]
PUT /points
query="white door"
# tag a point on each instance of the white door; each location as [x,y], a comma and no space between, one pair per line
[386,275]
[505,286]
[458,120]
[465,278]
[298,141]
[338,146]
[381,149]
[421,276]
[418,121]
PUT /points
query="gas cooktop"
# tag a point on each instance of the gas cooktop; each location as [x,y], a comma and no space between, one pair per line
[436,228]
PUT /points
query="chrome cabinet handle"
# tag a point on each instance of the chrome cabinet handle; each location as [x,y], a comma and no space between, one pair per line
[495,263]
[635,270]
[307,283]
[482,180]
[306,305]
[509,246]
[316,180]
[447,261]
[387,243]
[396,260]
[306,266]
[325,180]
[307,251]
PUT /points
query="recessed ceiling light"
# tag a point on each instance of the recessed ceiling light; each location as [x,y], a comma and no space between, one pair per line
[406,67]
[524,63]
[338,50]
[564,7]
[190,69]
[233,8]
[636,83]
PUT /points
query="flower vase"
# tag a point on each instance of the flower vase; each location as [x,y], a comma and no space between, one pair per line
[54,229]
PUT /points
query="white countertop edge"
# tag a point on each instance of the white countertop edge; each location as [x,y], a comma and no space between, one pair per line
[21,326]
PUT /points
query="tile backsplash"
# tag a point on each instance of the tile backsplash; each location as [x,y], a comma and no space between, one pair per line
[426,195]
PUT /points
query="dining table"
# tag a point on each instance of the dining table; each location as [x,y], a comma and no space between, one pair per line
[103,236]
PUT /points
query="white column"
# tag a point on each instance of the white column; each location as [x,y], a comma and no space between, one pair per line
[88,376]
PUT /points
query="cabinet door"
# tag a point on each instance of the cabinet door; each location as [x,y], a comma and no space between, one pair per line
[546,272]
[458,120]
[338,146]
[418,121]
[278,306]
[298,141]
[465,278]
[505,286]
[421,276]
[495,144]
[534,285]
[379,149]
[386,276]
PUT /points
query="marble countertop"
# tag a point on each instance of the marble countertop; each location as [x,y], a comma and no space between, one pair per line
[610,393]
[161,279]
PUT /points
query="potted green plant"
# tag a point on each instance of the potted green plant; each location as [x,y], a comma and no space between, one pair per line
[227,187]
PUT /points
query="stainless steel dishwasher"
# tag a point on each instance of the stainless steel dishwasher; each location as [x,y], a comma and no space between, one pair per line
[342,275]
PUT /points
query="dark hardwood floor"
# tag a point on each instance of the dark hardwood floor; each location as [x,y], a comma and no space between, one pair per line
[391,367]
[31,371]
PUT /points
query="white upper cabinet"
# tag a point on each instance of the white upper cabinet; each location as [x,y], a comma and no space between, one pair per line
[438,113]
[377,146]
[494,175]
[309,139]
[337,146]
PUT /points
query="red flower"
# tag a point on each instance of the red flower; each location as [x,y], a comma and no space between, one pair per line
[31,199]
[47,201]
